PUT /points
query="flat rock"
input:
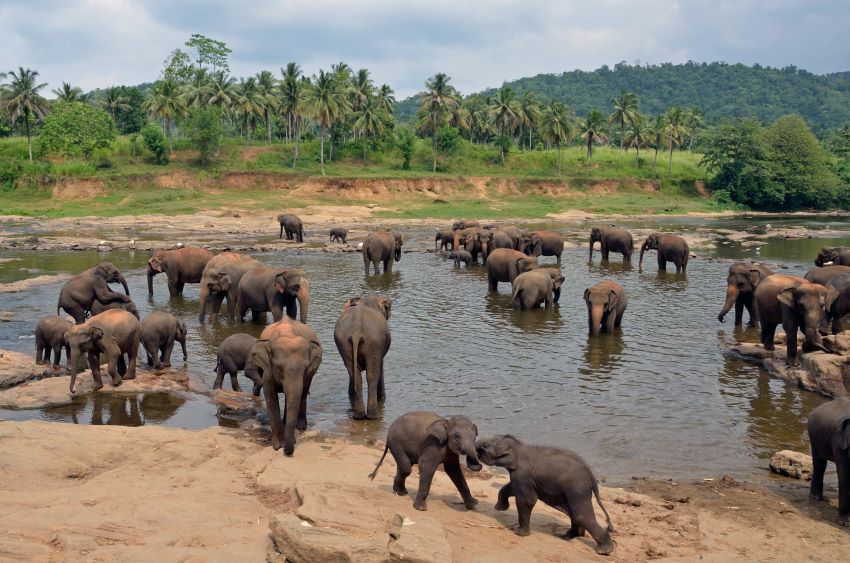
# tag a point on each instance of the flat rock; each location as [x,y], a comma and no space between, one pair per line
[838,343]
[299,541]
[419,539]
[792,464]
[344,507]
[17,368]
[236,402]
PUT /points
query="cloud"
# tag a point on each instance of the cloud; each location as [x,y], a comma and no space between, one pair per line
[96,43]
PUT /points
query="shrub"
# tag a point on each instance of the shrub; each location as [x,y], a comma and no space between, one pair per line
[203,128]
[156,143]
[405,142]
[76,129]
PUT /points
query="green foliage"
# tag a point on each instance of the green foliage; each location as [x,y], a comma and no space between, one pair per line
[405,143]
[76,129]
[203,127]
[102,159]
[10,171]
[155,143]
[209,52]
[131,117]
[448,139]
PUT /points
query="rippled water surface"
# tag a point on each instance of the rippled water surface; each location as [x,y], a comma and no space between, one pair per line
[657,398]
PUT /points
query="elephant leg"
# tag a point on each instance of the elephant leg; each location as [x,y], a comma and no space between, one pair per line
[270,392]
[302,406]
[57,356]
[122,365]
[524,506]
[456,475]
[618,318]
[373,378]
[232,300]
[39,352]
[215,305]
[818,469]
[739,312]
[837,324]
[790,343]
[382,393]
[179,286]
[403,469]
[377,265]
[150,354]
[768,331]
[112,369]
[558,257]
[576,530]
[505,493]
[234,382]
[492,283]
[610,321]
[604,253]
[294,392]
[167,348]
[94,366]
[132,354]
[582,518]
[77,312]
[427,467]
[843,466]
[388,265]
[172,287]
[662,263]
[219,376]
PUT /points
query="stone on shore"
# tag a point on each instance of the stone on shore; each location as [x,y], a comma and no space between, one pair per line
[235,402]
[300,542]
[792,464]
[419,539]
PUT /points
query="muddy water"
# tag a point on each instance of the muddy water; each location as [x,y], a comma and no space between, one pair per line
[657,398]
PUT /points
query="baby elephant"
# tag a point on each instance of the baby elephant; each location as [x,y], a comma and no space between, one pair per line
[50,335]
[338,234]
[534,287]
[461,256]
[159,331]
[560,478]
[428,440]
[606,303]
[233,355]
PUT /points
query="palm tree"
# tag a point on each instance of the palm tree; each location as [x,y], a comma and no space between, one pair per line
[167,104]
[68,93]
[369,120]
[222,91]
[23,99]
[198,91]
[638,135]
[592,129]
[625,112]
[439,99]
[289,93]
[114,100]
[266,90]
[504,110]
[695,120]
[557,127]
[676,130]
[657,136]
[248,105]
[529,114]
[386,99]
[361,88]
[327,104]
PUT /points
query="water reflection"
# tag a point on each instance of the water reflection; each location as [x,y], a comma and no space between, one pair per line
[602,355]
[384,282]
[117,409]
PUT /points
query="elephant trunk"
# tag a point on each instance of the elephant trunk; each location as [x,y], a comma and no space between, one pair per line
[124,283]
[556,294]
[597,310]
[205,292]
[642,250]
[303,297]
[592,242]
[731,297]
[813,339]
[73,361]
[472,461]
[183,345]
[151,274]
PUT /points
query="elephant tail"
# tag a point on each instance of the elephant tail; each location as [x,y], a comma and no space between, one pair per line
[515,297]
[381,461]
[598,501]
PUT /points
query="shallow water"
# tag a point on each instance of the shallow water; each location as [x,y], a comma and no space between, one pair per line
[658,398]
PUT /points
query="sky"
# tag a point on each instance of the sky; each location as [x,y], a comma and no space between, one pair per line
[98,43]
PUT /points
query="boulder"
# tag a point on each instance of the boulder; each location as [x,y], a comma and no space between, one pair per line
[299,541]
[830,373]
[419,539]
[792,464]
[235,403]
[838,343]
[344,507]
[17,368]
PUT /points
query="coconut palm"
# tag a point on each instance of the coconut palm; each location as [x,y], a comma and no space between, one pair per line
[592,129]
[439,99]
[222,91]
[267,98]
[657,136]
[327,104]
[248,105]
[638,135]
[290,84]
[675,131]
[361,88]
[68,93]
[386,99]
[625,112]
[557,127]
[695,120]
[23,100]
[529,114]
[198,91]
[504,110]
[114,100]
[369,120]
[166,104]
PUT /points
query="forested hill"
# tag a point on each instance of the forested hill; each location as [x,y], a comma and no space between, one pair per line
[719,89]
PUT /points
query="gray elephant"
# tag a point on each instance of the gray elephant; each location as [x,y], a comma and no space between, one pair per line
[833,256]
[741,284]
[822,275]
[273,289]
[471,243]
[287,361]
[514,233]
[220,280]
[484,243]
[97,307]
[829,437]
[505,264]
[82,290]
[180,265]
[612,239]
[606,304]
[115,334]
[840,306]
[160,330]
[428,440]
[338,234]
[541,285]
[362,336]
[796,304]
[542,243]
[234,355]
[381,246]
[50,336]
[501,239]
[444,239]
[671,248]
[461,256]
[459,226]
[292,225]
[560,478]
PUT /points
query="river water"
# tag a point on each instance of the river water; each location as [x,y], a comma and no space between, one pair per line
[657,398]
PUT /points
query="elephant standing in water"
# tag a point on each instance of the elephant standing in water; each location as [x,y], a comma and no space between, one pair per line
[612,239]
[541,285]
[160,330]
[221,279]
[671,248]
[833,256]
[232,356]
[381,246]
[272,289]
[606,304]
[97,308]
[114,334]
[822,275]
[741,284]
[50,336]
[338,234]
[542,243]
[292,225]
[180,265]
[82,290]
[457,230]
[505,264]
[444,240]
[829,436]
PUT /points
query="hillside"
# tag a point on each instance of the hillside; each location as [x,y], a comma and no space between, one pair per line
[721,90]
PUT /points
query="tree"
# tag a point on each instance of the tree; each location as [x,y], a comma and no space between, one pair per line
[166,103]
[113,100]
[209,52]
[76,128]
[529,114]
[204,131]
[386,99]
[676,131]
[694,121]
[289,96]
[23,99]
[68,93]
[638,134]
[178,66]
[557,127]
[405,141]
[132,118]
[504,111]
[625,112]
[361,89]
[369,120]
[155,142]
[327,104]
[198,90]
[247,105]
[439,99]
[592,130]
[267,98]
[657,137]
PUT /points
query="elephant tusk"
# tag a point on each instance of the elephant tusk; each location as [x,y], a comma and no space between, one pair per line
[828,263]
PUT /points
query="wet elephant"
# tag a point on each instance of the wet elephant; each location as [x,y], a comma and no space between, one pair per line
[220,280]
[822,275]
[833,256]
[82,290]
[829,437]
[232,356]
[444,240]
[115,334]
[505,264]
[338,234]
[514,233]
[542,243]
[670,248]
[606,303]
[273,289]
[160,330]
[501,239]
[381,246]
[458,227]
[541,285]
[741,284]
[612,239]
[461,256]
[292,225]
[180,265]
[50,337]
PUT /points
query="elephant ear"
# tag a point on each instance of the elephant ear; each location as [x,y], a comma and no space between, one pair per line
[385,305]
[613,299]
[96,333]
[224,280]
[587,295]
[754,276]
[788,296]
[439,430]
[260,356]
[181,329]
[535,238]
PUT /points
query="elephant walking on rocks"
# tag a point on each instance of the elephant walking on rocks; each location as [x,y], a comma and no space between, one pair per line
[612,239]
[606,304]
[82,290]
[671,248]
[50,336]
[505,264]
[115,334]
[381,246]
[234,355]
[741,284]
[292,225]
[180,265]
[273,289]
[160,330]
[541,285]
[220,279]
[829,436]
[428,440]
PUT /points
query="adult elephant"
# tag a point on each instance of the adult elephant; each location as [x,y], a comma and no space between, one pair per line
[501,239]
[606,303]
[612,239]
[796,304]
[505,264]
[671,248]
[292,225]
[542,243]
[541,285]
[443,240]
[840,306]
[741,284]
[822,275]
[82,290]
[180,265]
[458,227]
[381,246]
[273,289]
[515,233]
[362,336]
[833,256]
[114,333]
[221,279]
[829,437]
[97,307]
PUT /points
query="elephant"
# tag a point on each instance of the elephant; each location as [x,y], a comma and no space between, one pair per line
[273,289]
[381,246]
[606,304]
[82,290]
[545,243]
[829,437]
[515,235]
[505,264]
[558,477]
[461,256]
[536,286]
[234,355]
[159,332]
[671,248]
[97,307]
[292,225]
[338,234]
[833,256]
[362,336]
[471,243]
[741,284]
[114,333]
[180,265]
[483,243]
[287,361]
[841,305]
[444,239]
[823,274]
[458,227]
[426,439]
[501,239]
[612,239]
[796,304]
[50,336]
[221,279]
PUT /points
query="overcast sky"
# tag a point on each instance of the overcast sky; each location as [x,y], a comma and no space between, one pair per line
[97,43]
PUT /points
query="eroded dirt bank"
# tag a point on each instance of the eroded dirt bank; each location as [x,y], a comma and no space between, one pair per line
[152,493]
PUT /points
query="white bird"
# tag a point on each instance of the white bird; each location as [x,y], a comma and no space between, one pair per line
[179,245]
[133,244]
[767,226]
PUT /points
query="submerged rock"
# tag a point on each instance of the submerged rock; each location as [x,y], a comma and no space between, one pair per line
[792,464]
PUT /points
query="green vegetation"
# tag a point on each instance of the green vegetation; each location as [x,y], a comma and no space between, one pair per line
[76,129]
